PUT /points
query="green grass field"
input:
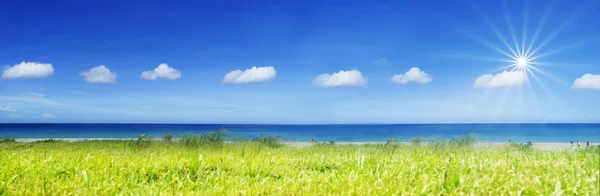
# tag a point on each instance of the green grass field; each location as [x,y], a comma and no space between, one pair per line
[263,167]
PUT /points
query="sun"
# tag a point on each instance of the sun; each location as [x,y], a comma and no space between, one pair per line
[522,62]
[522,52]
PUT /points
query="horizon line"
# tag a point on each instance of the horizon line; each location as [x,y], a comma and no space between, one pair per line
[299,124]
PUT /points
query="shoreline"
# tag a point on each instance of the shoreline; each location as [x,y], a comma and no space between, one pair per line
[536,145]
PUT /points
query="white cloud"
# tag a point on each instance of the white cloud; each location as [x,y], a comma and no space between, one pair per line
[28,70]
[587,81]
[48,115]
[343,78]
[504,79]
[162,71]
[100,74]
[413,75]
[252,75]
[14,115]
[6,109]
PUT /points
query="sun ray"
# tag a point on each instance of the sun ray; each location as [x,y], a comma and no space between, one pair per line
[524,33]
[551,96]
[526,54]
[538,63]
[490,45]
[503,40]
[545,42]
[561,28]
[541,25]
[493,28]
[546,91]
[554,99]
[547,75]
[510,27]
[481,58]
[514,68]
[502,68]
[561,49]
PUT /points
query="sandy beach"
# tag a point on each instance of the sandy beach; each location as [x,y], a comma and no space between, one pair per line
[541,146]
[299,144]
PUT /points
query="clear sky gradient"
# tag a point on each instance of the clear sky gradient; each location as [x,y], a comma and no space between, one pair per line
[360,45]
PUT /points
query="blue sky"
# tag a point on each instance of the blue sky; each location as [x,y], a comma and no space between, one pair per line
[47,46]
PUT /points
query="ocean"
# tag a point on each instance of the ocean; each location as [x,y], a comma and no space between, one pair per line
[351,133]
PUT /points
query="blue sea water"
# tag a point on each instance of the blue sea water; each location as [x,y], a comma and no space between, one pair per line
[366,132]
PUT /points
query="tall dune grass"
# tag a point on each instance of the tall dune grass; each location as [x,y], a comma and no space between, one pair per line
[206,165]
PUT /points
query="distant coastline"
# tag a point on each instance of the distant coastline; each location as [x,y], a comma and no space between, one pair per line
[536,145]
[495,133]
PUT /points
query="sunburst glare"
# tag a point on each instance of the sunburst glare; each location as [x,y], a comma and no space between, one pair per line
[524,56]
[521,54]
[522,62]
